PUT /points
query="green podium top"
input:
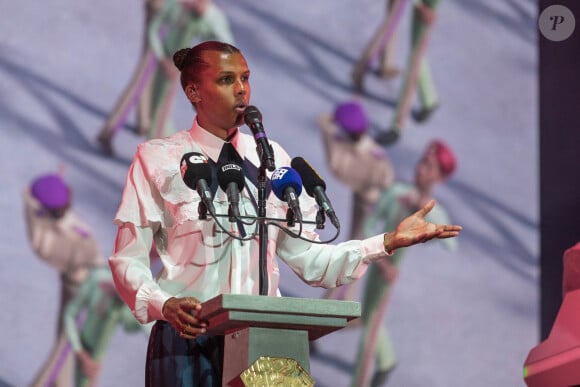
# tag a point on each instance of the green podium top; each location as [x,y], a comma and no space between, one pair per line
[230,312]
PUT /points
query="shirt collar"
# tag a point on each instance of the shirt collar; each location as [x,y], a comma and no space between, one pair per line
[212,144]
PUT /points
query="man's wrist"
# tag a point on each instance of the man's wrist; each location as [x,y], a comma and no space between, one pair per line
[163,307]
[388,242]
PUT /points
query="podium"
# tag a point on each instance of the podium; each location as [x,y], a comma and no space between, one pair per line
[266,338]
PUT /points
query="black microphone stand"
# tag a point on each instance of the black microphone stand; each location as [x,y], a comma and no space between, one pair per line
[262,227]
[262,231]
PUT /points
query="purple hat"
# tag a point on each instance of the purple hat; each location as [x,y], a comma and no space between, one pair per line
[351,117]
[51,191]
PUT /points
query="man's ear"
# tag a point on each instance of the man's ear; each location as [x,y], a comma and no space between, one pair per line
[192,94]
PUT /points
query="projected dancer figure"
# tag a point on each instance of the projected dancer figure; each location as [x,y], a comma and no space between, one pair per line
[177,24]
[137,92]
[357,161]
[417,75]
[90,320]
[62,239]
[199,260]
[382,45]
[398,201]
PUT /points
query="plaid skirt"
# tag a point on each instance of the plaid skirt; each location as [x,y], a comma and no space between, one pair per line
[178,362]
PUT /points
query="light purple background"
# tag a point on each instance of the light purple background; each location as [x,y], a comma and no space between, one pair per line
[467,318]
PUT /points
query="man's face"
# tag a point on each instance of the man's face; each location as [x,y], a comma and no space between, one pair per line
[222,93]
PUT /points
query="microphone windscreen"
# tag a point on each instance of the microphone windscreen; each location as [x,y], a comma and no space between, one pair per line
[194,166]
[310,178]
[228,173]
[283,178]
[252,115]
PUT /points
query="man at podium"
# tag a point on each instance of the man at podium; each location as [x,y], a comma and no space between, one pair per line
[203,258]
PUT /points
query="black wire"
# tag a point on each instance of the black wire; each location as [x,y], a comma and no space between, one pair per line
[271,223]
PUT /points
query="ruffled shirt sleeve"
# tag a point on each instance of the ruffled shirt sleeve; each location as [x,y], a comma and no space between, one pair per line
[150,188]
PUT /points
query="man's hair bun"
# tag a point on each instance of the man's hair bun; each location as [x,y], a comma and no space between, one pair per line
[179,58]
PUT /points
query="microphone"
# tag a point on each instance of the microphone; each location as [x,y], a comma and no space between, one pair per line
[315,187]
[287,186]
[231,180]
[253,118]
[196,174]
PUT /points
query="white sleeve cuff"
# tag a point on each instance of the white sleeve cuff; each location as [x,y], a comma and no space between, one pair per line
[373,249]
[149,304]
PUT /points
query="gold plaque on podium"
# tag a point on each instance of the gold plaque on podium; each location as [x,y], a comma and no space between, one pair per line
[274,371]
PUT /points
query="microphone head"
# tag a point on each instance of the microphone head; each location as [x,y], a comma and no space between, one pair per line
[194,166]
[310,178]
[252,116]
[230,172]
[283,178]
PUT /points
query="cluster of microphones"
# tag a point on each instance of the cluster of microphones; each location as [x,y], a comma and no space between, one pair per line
[286,182]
